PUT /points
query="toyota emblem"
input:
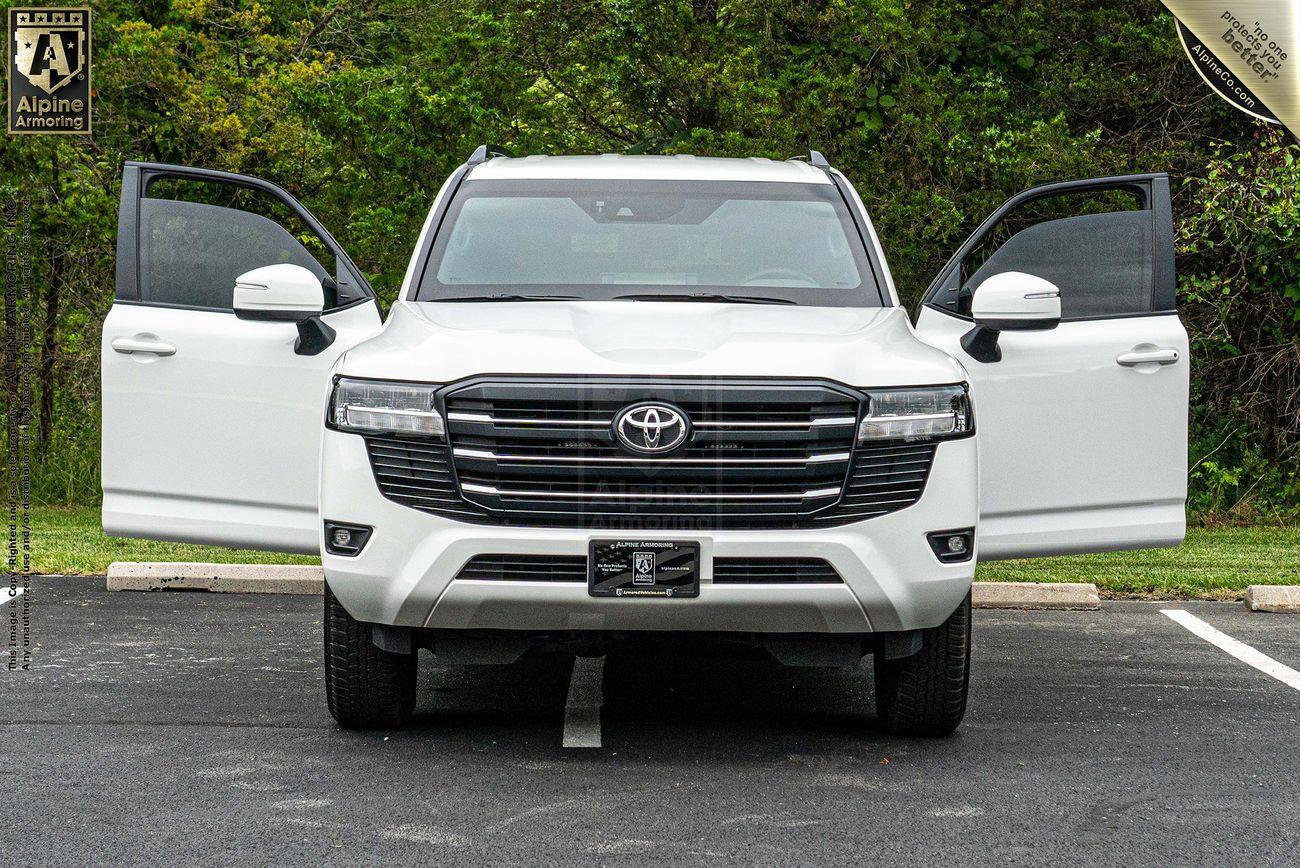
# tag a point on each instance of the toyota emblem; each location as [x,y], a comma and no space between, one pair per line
[651,428]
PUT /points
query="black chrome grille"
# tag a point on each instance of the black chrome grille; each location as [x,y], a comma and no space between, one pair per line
[761,455]
[526,568]
[884,479]
[758,454]
[417,474]
[773,571]
[573,568]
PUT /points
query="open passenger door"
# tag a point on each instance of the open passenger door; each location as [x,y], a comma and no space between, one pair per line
[1082,424]
[212,417]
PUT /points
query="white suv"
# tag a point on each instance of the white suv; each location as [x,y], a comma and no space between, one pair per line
[626,397]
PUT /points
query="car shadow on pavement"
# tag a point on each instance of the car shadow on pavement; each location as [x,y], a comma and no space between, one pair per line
[528,692]
[661,701]
[759,703]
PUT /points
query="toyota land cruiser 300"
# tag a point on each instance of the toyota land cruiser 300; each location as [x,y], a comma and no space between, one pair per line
[631,396]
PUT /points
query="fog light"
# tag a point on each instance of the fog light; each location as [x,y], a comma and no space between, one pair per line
[345,539]
[952,546]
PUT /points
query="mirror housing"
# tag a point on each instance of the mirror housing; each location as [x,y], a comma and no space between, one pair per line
[1010,301]
[278,293]
[286,293]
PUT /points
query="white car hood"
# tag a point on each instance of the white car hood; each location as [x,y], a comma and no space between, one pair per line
[441,342]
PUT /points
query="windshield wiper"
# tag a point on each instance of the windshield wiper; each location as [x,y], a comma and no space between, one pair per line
[703,296]
[511,297]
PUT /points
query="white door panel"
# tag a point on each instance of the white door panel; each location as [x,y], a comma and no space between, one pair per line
[1079,452]
[218,441]
[212,422]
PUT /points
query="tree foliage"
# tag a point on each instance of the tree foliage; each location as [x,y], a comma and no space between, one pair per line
[938,109]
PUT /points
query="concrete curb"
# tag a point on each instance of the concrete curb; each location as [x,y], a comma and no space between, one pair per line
[1035,595]
[268,579]
[1273,598]
[219,578]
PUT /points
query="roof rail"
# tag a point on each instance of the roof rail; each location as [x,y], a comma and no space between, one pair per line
[815,159]
[485,152]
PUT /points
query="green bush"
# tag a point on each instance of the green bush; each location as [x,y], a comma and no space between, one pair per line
[937,110]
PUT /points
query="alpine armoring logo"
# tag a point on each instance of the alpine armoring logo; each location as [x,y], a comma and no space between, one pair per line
[49,71]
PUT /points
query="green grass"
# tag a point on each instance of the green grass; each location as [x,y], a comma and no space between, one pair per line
[71,541]
[1211,564]
[1214,563]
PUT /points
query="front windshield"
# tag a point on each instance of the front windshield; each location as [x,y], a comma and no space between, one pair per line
[615,238]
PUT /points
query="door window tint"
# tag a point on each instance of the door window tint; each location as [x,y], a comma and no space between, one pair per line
[1096,247]
[197,237]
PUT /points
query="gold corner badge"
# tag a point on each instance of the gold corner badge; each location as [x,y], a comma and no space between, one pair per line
[49,71]
[1246,51]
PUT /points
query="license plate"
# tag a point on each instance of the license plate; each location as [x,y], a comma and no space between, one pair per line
[643,568]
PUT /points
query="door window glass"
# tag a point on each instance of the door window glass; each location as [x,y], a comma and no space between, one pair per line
[197,237]
[1095,246]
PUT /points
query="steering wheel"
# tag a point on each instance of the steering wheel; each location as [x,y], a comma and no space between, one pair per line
[777,273]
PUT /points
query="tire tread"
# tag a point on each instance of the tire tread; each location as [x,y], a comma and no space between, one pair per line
[925,694]
[366,687]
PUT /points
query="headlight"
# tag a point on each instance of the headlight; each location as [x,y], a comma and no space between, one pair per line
[376,405]
[916,414]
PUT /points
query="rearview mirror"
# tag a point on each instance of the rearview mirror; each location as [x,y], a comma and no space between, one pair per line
[1009,301]
[285,293]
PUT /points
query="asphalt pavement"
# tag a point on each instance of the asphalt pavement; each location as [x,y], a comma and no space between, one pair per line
[191,729]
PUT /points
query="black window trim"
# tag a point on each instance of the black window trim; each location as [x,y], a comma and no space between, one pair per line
[435,226]
[209,309]
[877,272]
[137,177]
[1152,190]
[463,172]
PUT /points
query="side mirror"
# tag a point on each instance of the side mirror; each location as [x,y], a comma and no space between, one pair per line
[280,293]
[1010,301]
[286,293]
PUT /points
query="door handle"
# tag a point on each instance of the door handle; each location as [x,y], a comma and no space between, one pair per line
[1154,355]
[139,345]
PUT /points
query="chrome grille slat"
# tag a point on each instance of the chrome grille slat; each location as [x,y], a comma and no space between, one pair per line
[821,458]
[583,494]
[811,423]
[570,422]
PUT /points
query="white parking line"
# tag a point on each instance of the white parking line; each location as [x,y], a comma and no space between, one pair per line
[8,595]
[582,709]
[1236,648]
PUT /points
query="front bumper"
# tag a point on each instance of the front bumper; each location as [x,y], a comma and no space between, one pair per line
[405,574]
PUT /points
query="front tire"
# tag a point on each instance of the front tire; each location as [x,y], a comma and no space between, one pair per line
[366,687]
[925,694]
